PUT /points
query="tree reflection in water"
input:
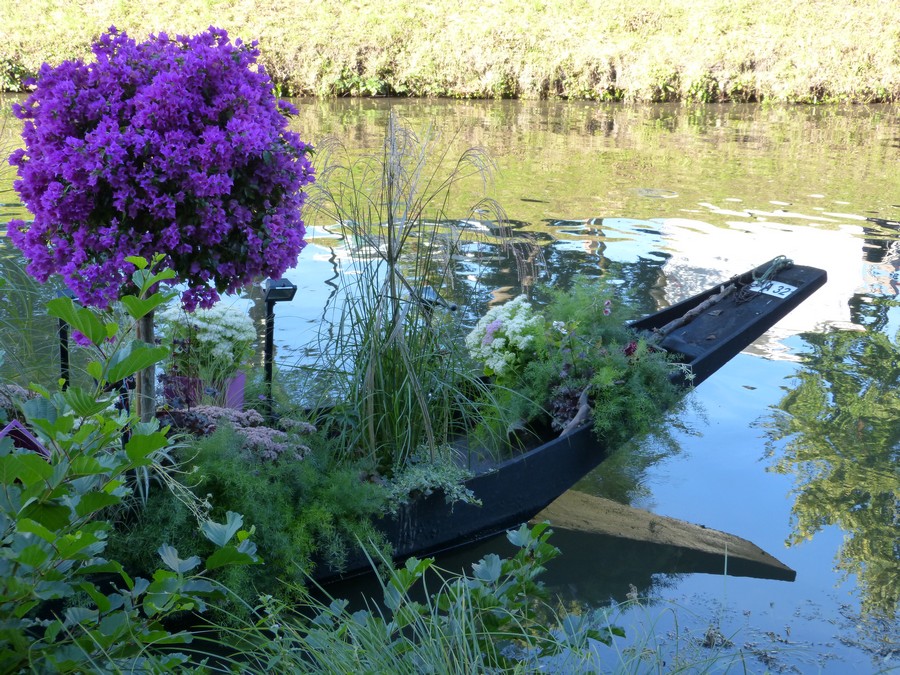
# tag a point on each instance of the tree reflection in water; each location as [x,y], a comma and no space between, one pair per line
[840,428]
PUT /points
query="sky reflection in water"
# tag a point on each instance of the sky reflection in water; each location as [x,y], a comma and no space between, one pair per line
[669,208]
[792,445]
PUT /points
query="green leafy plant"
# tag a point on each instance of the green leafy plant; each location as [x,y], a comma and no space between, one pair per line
[306,508]
[442,473]
[492,620]
[64,607]
[628,383]
[578,362]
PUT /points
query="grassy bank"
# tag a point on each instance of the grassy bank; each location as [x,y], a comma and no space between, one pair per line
[637,50]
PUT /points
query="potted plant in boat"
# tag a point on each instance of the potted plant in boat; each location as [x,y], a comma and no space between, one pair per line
[572,361]
[210,347]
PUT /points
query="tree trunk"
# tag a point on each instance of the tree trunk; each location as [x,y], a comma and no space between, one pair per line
[145,382]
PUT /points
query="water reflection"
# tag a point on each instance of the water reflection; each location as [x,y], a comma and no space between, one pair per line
[837,433]
[668,200]
[29,345]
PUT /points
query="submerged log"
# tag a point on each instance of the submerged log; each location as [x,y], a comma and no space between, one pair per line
[723,552]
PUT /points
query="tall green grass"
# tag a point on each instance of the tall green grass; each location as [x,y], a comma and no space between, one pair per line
[29,342]
[391,369]
[635,50]
[495,619]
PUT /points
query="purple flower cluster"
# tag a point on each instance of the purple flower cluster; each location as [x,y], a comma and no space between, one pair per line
[174,146]
[492,328]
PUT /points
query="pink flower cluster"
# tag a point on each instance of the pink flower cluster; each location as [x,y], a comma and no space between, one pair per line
[260,441]
[173,146]
[266,443]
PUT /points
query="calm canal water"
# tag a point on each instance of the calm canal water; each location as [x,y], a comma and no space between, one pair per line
[795,444]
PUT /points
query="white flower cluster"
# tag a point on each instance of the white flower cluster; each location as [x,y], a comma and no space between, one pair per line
[502,334]
[222,333]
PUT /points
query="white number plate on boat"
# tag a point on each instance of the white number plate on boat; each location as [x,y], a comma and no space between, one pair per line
[776,288]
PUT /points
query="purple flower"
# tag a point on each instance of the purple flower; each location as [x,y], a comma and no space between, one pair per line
[81,339]
[492,328]
[174,146]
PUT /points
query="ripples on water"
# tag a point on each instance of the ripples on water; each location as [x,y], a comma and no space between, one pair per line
[669,200]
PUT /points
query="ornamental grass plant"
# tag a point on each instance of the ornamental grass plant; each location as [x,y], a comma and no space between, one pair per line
[405,379]
[396,383]
[30,348]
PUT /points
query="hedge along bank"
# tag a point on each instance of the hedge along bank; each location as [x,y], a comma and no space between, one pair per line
[749,50]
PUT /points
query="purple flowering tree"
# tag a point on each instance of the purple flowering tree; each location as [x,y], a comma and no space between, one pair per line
[172,146]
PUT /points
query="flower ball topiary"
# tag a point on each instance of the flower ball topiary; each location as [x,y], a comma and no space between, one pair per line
[173,146]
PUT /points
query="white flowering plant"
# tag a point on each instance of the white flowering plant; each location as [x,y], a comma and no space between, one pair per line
[574,359]
[505,337]
[209,344]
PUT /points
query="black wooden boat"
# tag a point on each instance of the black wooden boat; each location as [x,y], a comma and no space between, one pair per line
[704,332]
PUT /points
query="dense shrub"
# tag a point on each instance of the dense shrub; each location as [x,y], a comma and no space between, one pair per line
[304,511]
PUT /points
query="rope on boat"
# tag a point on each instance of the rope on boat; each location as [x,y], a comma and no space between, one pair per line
[744,293]
[748,292]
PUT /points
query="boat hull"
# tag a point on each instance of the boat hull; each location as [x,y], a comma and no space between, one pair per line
[517,489]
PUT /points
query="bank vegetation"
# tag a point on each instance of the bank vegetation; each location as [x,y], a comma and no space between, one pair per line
[806,51]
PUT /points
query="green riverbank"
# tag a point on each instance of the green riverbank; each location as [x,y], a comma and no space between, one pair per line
[806,51]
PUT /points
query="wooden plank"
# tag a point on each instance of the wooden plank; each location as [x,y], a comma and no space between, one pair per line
[721,551]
